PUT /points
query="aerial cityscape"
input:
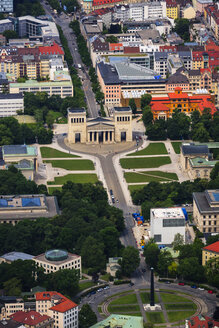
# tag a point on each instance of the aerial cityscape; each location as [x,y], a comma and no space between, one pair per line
[109,163]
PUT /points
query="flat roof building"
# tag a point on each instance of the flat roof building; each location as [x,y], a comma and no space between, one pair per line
[57,259]
[120,320]
[14,256]
[165,223]
[206,211]
[10,104]
[14,208]
[210,252]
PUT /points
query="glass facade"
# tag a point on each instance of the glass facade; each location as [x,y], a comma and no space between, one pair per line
[173,222]
[6,6]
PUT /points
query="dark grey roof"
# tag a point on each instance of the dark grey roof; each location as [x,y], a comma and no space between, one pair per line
[183,54]
[24,164]
[203,204]
[177,78]
[15,149]
[161,55]
[108,73]
[122,109]
[194,149]
[76,110]
[194,72]
[9,324]
[11,96]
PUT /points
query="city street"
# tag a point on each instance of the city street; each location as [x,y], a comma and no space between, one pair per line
[63,20]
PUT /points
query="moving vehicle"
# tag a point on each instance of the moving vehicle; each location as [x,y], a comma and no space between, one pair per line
[181,284]
[210,291]
[194,286]
[79,65]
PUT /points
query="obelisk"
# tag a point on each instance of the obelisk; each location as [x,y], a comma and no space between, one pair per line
[152,287]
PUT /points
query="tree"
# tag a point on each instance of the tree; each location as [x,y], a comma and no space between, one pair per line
[130,260]
[64,281]
[156,132]
[200,133]
[215,171]
[92,253]
[190,269]
[133,106]
[12,287]
[182,28]
[164,261]
[86,317]
[10,34]
[112,39]
[212,269]
[178,127]
[151,253]
[147,116]
[178,241]
[145,100]
[145,208]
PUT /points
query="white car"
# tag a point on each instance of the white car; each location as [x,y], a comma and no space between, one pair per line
[201,288]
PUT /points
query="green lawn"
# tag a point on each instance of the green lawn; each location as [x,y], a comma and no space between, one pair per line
[176,146]
[156,148]
[52,189]
[149,176]
[155,317]
[25,119]
[127,299]
[86,284]
[76,178]
[179,315]
[123,308]
[136,187]
[145,297]
[47,152]
[181,306]
[147,162]
[77,164]
[171,298]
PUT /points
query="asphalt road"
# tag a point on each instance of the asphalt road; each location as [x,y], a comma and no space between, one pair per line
[63,20]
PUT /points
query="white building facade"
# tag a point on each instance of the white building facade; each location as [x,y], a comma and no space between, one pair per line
[165,223]
[10,104]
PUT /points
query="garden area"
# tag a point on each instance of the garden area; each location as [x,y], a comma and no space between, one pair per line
[147,162]
[77,165]
[176,146]
[47,152]
[76,178]
[156,148]
[148,176]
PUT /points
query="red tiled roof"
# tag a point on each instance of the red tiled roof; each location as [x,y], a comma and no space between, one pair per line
[55,49]
[63,305]
[213,247]
[101,11]
[202,322]
[115,46]
[31,318]
[159,107]
[103,2]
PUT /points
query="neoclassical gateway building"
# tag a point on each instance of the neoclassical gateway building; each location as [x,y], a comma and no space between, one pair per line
[104,130]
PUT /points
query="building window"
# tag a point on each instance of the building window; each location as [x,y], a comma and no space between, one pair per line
[157,238]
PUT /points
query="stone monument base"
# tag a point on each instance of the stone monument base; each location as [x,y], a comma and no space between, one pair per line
[148,307]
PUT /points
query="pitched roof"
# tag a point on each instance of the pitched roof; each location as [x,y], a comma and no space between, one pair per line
[202,322]
[177,78]
[194,149]
[213,247]
[31,318]
[63,303]
[55,49]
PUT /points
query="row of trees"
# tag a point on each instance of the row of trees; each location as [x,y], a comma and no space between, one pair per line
[26,7]
[188,266]
[13,133]
[157,194]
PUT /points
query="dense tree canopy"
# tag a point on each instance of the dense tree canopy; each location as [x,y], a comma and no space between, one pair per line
[87,317]
[27,7]
[130,260]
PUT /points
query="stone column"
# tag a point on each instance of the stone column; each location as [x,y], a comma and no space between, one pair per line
[104,136]
[93,136]
[97,140]
[112,139]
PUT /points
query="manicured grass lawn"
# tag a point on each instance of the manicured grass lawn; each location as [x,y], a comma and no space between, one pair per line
[76,178]
[105,277]
[155,317]
[156,148]
[128,299]
[136,187]
[86,284]
[77,164]
[52,189]
[181,306]
[176,146]
[25,119]
[149,176]
[123,308]
[147,162]
[145,297]
[179,315]
[47,152]
[171,298]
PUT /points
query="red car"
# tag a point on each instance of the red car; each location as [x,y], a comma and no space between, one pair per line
[181,283]
[210,291]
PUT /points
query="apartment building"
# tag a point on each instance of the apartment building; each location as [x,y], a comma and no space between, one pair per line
[211,15]
[10,104]
[199,5]
[210,252]
[56,259]
[62,88]
[206,211]
[63,311]
[9,305]
[172,9]
[32,319]
[6,25]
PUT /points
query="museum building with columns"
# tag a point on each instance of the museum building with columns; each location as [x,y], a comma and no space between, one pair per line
[104,130]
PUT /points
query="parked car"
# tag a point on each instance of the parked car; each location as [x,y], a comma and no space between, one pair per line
[131,284]
[200,288]
[194,286]
[167,282]
[143,270]
[181,283]
[210,291]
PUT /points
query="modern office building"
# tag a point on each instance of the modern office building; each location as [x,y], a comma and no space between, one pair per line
[6,6]
[57,259]
[60,308]
[14,208]
[210,252]
[206,211]
[10,104]
[165,223]
[104,130]
[6,24]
